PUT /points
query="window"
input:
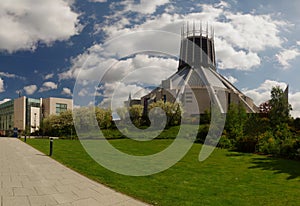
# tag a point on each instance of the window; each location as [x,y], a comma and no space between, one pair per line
[61,108]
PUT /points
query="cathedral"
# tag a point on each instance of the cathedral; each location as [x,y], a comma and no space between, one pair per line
[197,84]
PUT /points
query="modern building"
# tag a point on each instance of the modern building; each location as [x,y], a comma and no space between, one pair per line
[27,113]
[197,84]
[54,105]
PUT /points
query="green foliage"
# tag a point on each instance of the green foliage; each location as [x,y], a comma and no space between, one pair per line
[202,133]
[136,115]
[225,143]
[268,144]
[235,121]
[172,110]
[103,117]
[280,108]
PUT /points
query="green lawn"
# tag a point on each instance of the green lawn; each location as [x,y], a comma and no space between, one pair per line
[225,178]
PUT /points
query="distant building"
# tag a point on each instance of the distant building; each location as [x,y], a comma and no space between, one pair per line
[130,102]
[23,112]
[196,74]
[54,105]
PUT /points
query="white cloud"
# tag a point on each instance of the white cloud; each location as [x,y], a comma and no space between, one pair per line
[116,93]
[231,79]
[239,39]
[49,76]
[9,75]
[298,43]
[66,91]
[239,36]
[285,56]
[94,63]
[48,86]
[231,58]
[31,89]
[263,92]
[1,85]
[99,1]
[143,7]
[25,23]
[4,100]
[294,101]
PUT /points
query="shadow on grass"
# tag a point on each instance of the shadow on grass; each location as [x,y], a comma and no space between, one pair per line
[279,166]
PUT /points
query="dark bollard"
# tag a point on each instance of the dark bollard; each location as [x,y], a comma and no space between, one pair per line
[25,138]
[51,146]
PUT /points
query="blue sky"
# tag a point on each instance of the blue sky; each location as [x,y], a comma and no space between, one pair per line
[46,47]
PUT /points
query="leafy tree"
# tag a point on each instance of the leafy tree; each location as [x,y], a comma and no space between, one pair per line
[136,113]
[235,121]
[280,108]
[172,110]
[104,117]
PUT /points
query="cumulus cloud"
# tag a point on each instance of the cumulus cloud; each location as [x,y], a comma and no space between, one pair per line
[48,86]
[1,85]
[239,36]
[31,89]
[144,6]
[102,60]
[66,91]
[116,93]
[99,1]
[231,58]
[49,76]
[25,23]
[263,93]
[9,75]
[294,101]
[231,79]
[286,56]
[239,39]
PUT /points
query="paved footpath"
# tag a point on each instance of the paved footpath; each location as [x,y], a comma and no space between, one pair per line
[30,178]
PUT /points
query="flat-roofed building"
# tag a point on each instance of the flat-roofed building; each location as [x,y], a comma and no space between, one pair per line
[54,105]
[6,116]
[27,113]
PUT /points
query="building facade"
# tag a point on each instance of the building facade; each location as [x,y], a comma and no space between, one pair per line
[27,113]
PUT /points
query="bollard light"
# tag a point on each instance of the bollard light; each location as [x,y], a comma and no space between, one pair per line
[51,146]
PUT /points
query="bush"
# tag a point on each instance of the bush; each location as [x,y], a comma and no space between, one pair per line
[268,144]
[202,133]
[290,148]
[225,143]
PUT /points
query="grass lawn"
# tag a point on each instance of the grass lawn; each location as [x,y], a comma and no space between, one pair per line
[225,178]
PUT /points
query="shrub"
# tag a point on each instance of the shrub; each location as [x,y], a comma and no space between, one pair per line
[225,142]
[202,133]
[268,144]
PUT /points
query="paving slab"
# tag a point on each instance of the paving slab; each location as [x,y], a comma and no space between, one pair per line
[30,178]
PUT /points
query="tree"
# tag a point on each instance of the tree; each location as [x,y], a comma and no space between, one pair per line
[235,121]
[280,107]
[173,111]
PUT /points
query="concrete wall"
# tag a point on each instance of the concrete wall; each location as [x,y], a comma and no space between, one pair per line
[49,105]
[20,113]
